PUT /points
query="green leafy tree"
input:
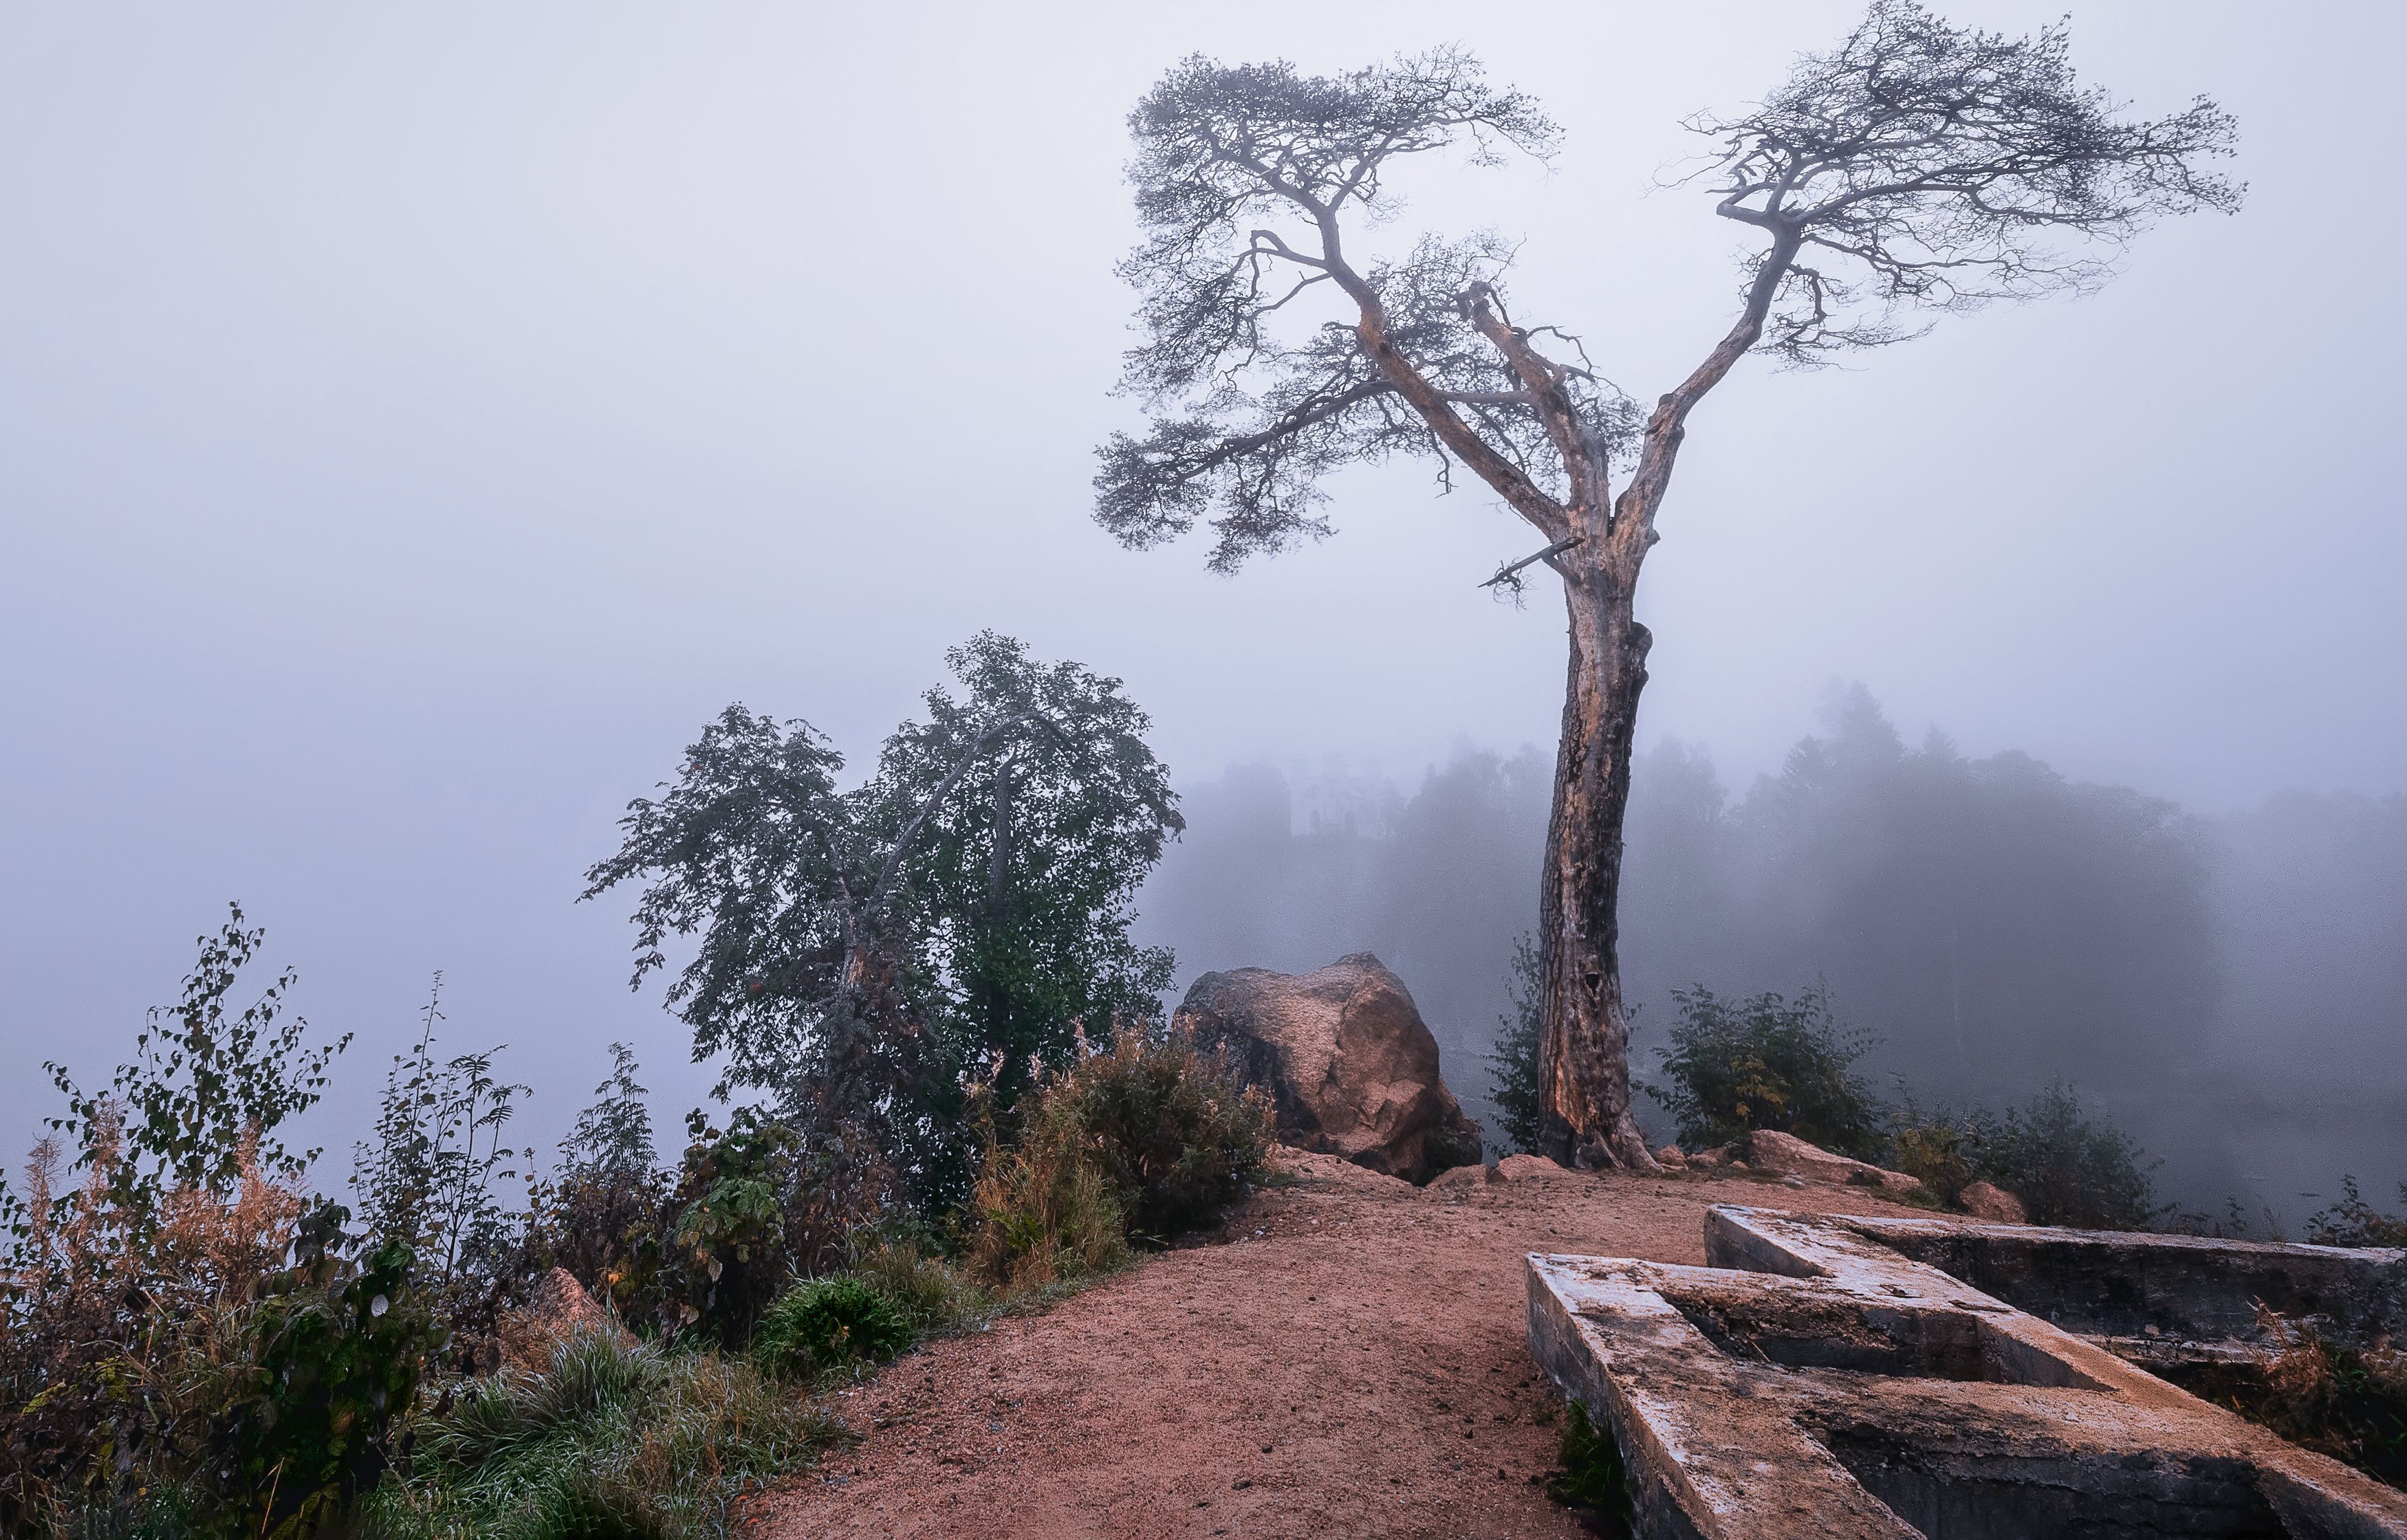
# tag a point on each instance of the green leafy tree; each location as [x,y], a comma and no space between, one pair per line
[208,1089]
[1768,1062]
[1022,878]
[966,907]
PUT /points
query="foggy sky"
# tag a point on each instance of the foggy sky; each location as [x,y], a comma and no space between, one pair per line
[415,423]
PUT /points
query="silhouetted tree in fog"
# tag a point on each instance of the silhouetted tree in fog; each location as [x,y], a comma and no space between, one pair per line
[1916,167]
[1993,924]
[966,908]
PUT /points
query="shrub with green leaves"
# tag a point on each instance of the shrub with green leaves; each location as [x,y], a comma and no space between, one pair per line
[2354,1221]
[1768,1062]
[336,1350]
[756,1202]
[2067,1165]
[903,1261]
[1145,1140]
[827,1323]
[1935,1144]
[1513,1070]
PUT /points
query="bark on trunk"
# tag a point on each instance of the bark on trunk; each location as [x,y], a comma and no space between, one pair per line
[1584,1053]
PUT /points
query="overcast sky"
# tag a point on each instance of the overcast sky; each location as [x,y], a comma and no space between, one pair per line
[415,421]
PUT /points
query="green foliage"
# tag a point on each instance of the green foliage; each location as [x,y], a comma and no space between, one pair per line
[968,904]
[603,1212]
[1144,1140]
[755,1203]
[606,1438]
[908,1268]
[2067,1167]
[1936,1145]
[1021,879]
[1767,1061]
[334,1353]
[1513,1079]
[827,1323]
[1177,1136]
[2354,1221]
[426,1180]
[204,1087]
[1591,1476]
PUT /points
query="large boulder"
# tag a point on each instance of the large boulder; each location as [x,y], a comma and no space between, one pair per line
[1348,1062]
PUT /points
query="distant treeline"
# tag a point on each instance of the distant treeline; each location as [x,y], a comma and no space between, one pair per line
[2233,989]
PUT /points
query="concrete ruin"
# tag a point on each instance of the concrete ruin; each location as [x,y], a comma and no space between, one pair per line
[1843,1377]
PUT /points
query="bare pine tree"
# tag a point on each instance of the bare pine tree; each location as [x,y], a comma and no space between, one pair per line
[1918,168]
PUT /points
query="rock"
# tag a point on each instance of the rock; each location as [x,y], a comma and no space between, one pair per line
[1986,1200]
[1350,1066]
[1460,1178]
[557,1309]
[1791,1157]
[1670,1155]
[1310,1165]
[1529,1167]
[1719,1155]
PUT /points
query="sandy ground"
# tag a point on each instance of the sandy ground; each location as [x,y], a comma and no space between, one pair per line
[1345,1358]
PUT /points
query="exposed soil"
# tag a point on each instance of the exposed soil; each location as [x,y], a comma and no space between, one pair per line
[1345,1358]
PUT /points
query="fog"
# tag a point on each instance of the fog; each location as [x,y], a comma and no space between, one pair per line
[414,424]
[2227,988]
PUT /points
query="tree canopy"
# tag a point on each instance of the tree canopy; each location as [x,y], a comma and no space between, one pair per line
[963,910]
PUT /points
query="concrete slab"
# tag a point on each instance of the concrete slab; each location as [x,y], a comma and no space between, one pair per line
[1813,1381]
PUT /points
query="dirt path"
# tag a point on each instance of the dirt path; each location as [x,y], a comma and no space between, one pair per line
[1345,1360]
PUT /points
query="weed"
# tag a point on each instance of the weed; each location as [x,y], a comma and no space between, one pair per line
[1592,1478]
[827,1323]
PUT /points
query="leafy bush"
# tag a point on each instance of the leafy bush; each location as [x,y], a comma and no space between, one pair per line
[2067,1165]
[1515,1084]
[204,1088]
[605,1211]
[609,1438]
[427,1181]
[133,1326]
[1768,1062]
[827,1323]
[1937,1145]
[1146,1139]
[2354,1221]
[336,1350]
[2068,1168]
[1176,1136]
[757,1204]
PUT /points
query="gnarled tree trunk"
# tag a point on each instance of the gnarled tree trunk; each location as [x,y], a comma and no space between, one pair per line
[1584,1062]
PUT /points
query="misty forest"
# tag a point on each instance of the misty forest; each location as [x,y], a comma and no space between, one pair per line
[1068,896]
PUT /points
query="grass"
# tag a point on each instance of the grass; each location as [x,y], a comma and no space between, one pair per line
[609,1439]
